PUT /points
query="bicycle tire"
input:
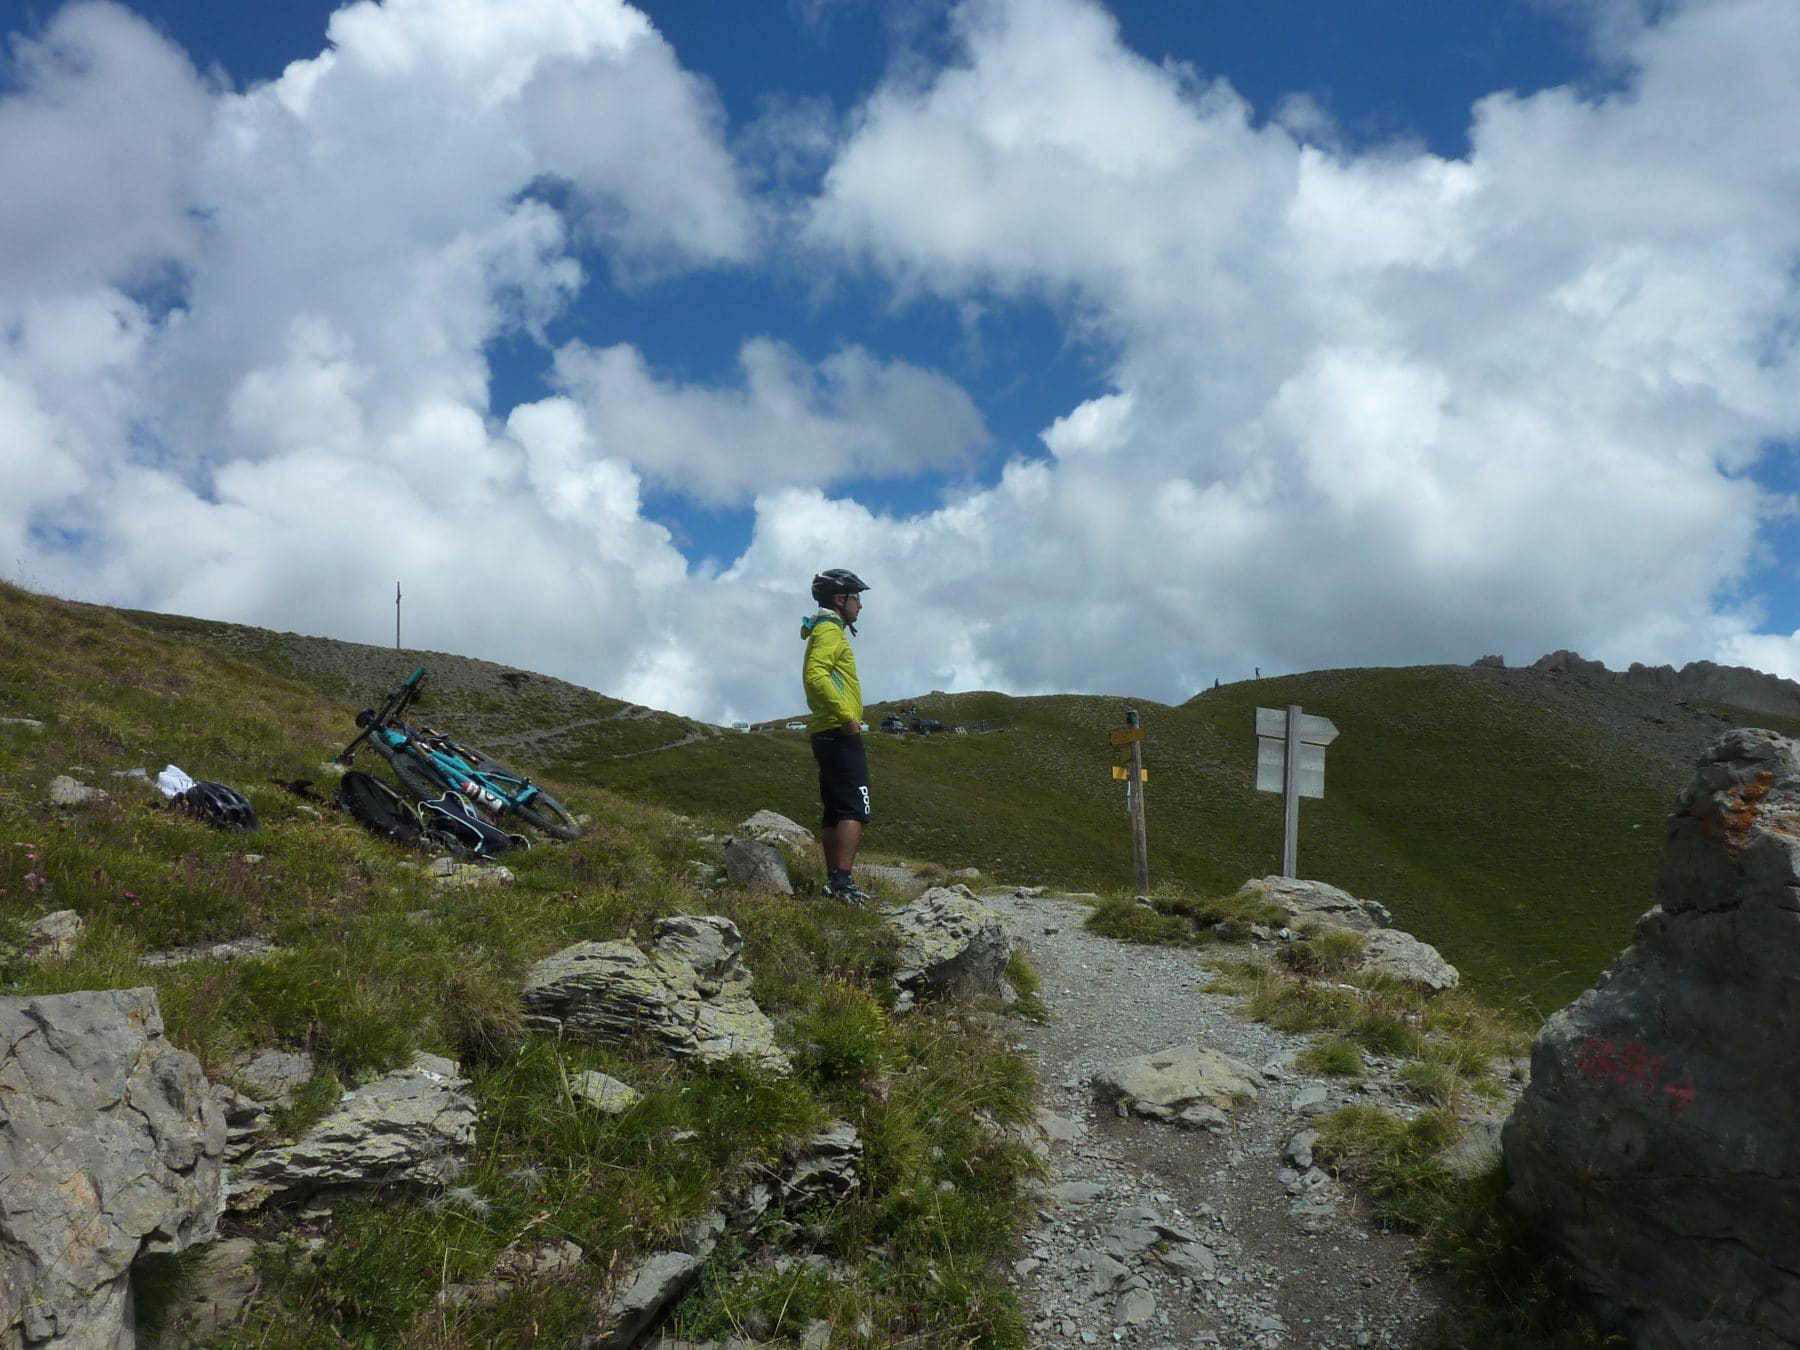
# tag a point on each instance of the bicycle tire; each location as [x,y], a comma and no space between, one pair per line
[545,813]
[419,780]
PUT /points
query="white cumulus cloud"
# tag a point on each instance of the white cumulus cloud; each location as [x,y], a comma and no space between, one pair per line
[1361,404]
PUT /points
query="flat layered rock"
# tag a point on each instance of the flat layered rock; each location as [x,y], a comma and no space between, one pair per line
[412,1127]
[1187,1084]
[690,994]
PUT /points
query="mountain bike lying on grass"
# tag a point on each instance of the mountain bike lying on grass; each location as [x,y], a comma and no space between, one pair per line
[428,763]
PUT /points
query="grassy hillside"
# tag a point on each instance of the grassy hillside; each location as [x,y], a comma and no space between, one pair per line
[1511,817]
[372,960]
[561,727]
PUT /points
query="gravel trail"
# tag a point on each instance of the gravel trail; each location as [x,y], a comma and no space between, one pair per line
[1152,1235]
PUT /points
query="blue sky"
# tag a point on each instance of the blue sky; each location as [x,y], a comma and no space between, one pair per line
[1121,347]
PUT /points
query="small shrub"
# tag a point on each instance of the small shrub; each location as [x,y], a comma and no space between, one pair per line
[1332,1057]
[1302,1005]
[842,1034]
[1025,983]
[1329,953]
[1128,921]
[1430,1082]
[1395,1160]
[1235,977]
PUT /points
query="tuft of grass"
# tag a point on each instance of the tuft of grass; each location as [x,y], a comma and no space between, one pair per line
[1182,920]
[1393,1160]
[1334,952]
[1128,921]
[1332,1057]
[1023,978]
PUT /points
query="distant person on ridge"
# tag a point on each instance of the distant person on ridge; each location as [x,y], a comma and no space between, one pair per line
[835,696]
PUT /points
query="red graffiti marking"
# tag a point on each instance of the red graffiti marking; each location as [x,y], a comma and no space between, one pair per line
[1632,1065]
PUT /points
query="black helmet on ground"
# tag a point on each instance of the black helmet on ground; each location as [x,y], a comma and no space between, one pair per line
[836,581]
[219,805]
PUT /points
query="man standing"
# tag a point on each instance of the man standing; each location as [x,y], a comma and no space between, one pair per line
[835,697]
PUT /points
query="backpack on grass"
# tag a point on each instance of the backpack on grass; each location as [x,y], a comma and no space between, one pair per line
[381,810]
[451,821]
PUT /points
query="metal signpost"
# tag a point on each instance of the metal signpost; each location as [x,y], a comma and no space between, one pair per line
[1290,759]
[1135,776]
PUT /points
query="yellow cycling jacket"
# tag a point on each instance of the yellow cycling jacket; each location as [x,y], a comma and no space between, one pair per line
[829,672]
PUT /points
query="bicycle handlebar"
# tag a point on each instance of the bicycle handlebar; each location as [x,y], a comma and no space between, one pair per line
[396,703]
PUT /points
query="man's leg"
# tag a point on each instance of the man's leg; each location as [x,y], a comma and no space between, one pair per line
[841,842]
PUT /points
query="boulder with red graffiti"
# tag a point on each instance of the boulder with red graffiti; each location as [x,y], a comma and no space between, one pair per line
[1656,1146]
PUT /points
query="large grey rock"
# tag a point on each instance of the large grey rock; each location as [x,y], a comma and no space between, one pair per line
[1655,1145]
[1314,904]
[950,943]
[1188,1084]
[690,994]
[1400,956]
[412,1127]
[770,827]
[110,1147]
[758,867]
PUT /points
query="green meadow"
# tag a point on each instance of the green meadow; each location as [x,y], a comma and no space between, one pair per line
[1511,818]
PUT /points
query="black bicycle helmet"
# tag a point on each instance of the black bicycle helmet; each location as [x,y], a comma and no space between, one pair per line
[219,805]
[836,581]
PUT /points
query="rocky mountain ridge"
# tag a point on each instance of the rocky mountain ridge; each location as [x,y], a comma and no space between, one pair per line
[1739,686]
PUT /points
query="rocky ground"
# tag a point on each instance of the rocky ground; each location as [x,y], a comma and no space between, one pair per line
[1152,1235]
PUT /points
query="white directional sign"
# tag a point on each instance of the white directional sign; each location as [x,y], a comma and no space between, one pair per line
[1271,761]
[1313,730]
[1290,759]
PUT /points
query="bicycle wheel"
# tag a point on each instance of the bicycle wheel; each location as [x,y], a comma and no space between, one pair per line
[415,775]
[549,815]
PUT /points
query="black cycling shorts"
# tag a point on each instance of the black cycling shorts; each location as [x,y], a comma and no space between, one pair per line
[843,776]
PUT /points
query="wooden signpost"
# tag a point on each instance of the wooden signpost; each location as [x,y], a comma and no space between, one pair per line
[1290,759]
[1135,776]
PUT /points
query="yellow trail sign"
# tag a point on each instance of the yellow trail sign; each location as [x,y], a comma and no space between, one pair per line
[1122,772]
[1126,735]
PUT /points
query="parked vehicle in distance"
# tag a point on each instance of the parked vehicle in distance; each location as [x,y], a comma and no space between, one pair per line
[926,726]
[740,726]
[893,724]
[796,726]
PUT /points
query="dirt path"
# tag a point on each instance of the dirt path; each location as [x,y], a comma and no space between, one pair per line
[1151,1235]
